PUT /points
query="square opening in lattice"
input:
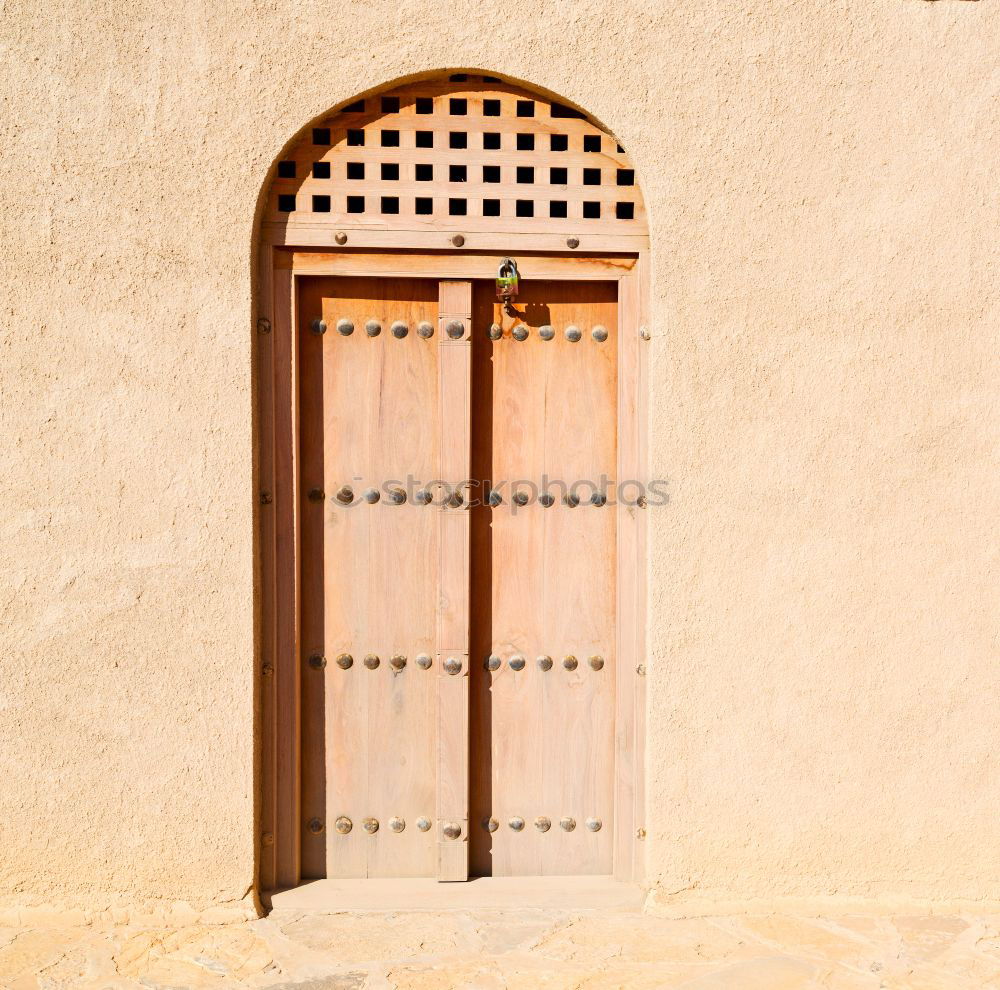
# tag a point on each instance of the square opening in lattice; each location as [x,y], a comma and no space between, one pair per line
[524,208]
[286,202]
[425,173]
[491,207]
[286,170]
[424,205]
[425,105]
[491,141]
[321,170]
[321,135]
[491,108]
[457,207]
[390,204]
[355,170]
[425,139]
[355,204]
[355,139]
[389,171]
[321,204]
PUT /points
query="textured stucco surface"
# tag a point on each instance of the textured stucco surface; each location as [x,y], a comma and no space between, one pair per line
[821,180]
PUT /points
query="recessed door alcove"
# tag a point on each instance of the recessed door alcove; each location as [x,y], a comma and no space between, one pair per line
[451,550]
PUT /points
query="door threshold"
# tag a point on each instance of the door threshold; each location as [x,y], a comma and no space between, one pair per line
[424,894]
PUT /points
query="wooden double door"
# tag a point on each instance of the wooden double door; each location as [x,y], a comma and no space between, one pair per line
[459,529]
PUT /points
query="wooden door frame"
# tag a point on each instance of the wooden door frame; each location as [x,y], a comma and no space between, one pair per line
[288,255]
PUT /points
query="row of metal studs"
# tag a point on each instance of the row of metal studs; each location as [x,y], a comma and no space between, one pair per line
[547,499]
[543,824]
[572,333]
[399,329]
[518,662]
[396,496]
[344,826]
[372,661]
[493,662]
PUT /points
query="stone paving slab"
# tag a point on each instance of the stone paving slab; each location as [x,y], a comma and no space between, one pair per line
[529,949]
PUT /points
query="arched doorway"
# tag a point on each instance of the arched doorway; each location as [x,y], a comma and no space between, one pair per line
[451,532]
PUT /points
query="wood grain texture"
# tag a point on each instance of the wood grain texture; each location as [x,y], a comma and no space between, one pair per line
[500,239]
[369,576]
[453,768]
[630,521]
[286,628]
[547,736]
[456,265]
[635,417]
[267,868]
[453,431]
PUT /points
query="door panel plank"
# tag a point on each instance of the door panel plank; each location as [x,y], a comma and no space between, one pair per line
[452,666]
[269,838]
[548,735]
[580,431]
[518,720]
[401,581]
[628,734]
[368,576]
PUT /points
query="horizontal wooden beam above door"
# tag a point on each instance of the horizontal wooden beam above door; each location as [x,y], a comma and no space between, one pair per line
[506,238]
[465,265]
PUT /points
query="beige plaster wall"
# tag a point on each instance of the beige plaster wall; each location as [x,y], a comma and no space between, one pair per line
[822,187]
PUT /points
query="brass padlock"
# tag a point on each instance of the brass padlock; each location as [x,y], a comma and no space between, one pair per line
[507,278]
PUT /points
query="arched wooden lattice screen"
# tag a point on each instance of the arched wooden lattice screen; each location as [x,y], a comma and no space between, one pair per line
[465,152]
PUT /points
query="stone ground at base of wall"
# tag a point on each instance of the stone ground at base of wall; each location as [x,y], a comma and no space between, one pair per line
[530,948]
